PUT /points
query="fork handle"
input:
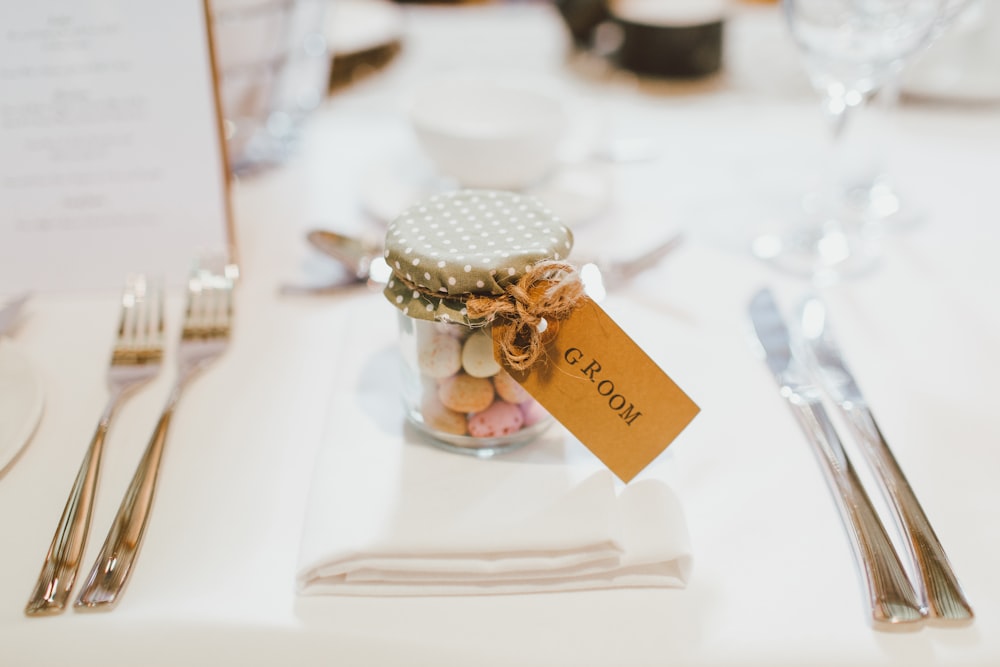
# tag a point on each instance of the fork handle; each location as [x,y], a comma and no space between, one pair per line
[62,562]
[891,596]
[111,570]
[945,597]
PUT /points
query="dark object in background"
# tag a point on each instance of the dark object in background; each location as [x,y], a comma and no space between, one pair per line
[582,17]
[682,45]
[681,51]
[364,37]
[348,68]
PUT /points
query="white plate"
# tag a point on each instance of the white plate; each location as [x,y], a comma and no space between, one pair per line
[576,192]
[21,401]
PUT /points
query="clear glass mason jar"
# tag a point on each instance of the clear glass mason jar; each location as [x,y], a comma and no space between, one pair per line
[444,251]
[455,392]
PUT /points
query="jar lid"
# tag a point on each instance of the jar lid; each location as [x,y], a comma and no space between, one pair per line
[456,244]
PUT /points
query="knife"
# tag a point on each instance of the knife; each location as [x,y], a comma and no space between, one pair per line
[939,588]
[10,311]
[891,597]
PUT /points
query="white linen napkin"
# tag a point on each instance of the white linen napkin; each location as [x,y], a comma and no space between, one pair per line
[389,514]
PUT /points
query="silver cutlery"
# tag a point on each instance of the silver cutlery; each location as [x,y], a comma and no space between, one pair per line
[891,597]
[939,587]
[362,258]
[615,273]
[135,360]
[356,254]
[10,311]
[205,336]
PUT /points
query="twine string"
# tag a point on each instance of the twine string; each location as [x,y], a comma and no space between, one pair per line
[550,291]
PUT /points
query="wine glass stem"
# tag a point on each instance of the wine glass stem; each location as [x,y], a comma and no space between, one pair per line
[840,110]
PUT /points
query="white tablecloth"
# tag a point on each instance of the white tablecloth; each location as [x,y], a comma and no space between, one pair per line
[773,583]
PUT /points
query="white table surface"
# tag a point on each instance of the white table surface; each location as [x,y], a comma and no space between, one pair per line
[773,583]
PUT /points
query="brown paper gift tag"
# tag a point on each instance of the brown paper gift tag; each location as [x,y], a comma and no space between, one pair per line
[601,386]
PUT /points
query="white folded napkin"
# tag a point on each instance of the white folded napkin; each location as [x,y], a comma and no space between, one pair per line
[389,514]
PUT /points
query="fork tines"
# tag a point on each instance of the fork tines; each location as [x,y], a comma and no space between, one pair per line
[209,308]
[140,330]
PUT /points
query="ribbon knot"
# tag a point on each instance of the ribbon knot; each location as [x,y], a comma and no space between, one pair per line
[548,292]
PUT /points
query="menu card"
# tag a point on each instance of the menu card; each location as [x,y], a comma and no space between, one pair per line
[111,152]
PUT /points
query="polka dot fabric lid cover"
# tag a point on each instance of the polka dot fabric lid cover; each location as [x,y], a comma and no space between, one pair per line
[467,242]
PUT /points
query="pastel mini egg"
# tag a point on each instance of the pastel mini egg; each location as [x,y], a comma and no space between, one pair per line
[509,389]
[533,412]
[497,420]
[440,356]
[439,418]
[465,393]
[477,356]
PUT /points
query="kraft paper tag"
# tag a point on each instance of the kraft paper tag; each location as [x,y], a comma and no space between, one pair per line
[601,386]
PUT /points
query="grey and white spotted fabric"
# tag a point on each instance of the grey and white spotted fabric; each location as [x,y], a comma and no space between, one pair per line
[467,242]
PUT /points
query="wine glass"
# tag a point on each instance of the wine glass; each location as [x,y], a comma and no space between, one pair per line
[874,195]
[850,49]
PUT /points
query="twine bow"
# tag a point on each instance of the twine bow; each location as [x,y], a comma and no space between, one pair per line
[548,292]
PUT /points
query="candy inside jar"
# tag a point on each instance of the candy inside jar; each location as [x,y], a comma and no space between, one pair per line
[448,253]
[456,392]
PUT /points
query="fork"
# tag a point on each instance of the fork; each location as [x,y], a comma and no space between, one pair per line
[204,338]
[135,360]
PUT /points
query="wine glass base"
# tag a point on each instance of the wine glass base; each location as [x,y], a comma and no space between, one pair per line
[882,204]
[824,257]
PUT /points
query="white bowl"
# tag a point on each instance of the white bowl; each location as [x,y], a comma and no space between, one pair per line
[488,134]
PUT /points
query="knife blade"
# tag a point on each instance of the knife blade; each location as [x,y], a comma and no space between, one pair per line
[938,586]
[10,311]
[891,596]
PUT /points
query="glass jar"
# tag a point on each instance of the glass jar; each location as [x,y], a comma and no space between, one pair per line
[443,251]
[455,391]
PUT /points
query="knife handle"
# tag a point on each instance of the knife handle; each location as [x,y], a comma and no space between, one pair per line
[891,596]
[945,598]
